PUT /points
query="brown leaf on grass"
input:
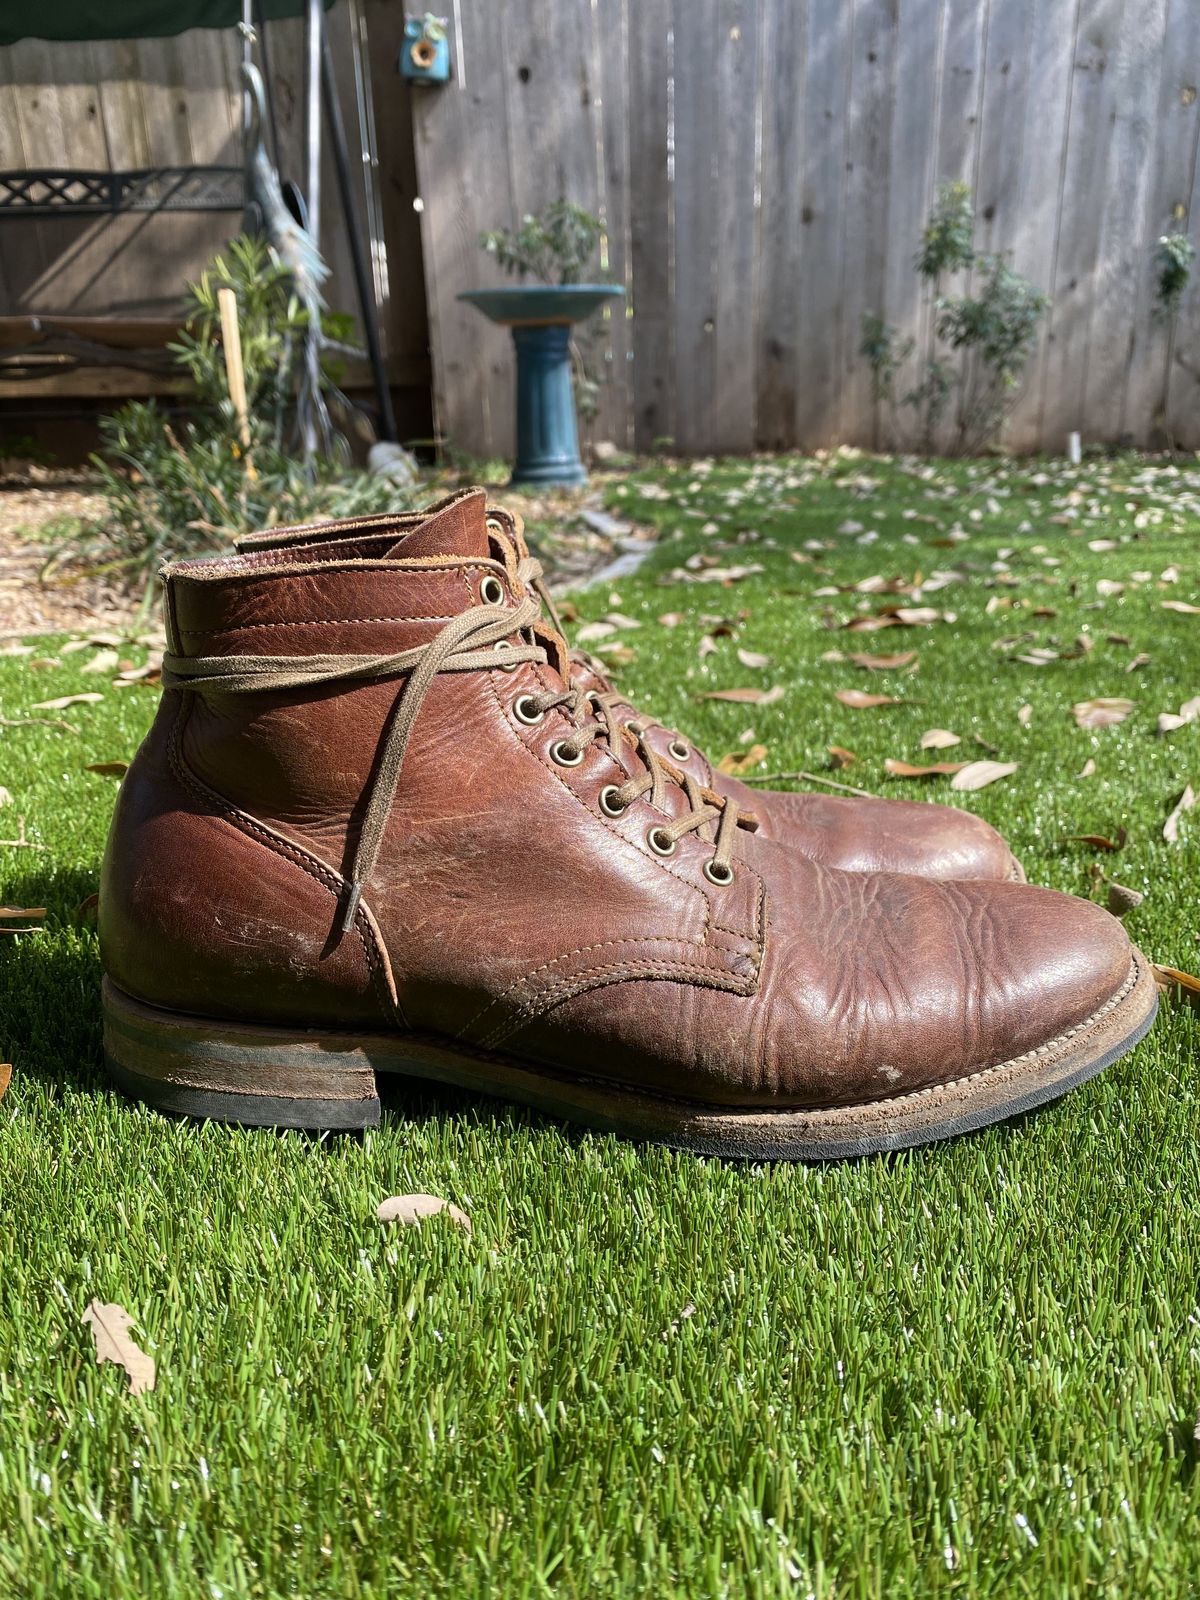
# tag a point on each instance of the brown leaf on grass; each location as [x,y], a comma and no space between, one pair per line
[591,631]
[978,774]
[869,624]
[1179,985]
[65,700]
[110,1330]
[884,663]
[860,700]
[1142,660]
[745,697]
[616,654]
[840,757]
[1123,900]
[1039,658]
[87,908]
[671,619]
[915,616]
[1171,826]
[1025,715]
[939,739]
[5,796]
[753,659]
[739,761]
[1099,841]
[5,1077]
[906,769]
[27,916]
[414,1208]
[1172,721]
[1087,770]
[150,674]
[108,769]
[1181,605]
[102,661]
[1101,713]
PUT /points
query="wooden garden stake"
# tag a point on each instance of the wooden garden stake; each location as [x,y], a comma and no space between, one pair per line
[231,345]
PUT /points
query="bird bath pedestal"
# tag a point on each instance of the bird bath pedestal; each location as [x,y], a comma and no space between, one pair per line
[541,317]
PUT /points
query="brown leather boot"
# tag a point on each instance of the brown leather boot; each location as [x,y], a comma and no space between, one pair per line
[374,829]
[848,832]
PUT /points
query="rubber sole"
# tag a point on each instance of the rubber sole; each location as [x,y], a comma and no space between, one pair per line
[275,1077]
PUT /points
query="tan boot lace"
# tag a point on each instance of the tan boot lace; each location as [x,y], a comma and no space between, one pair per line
[468,643]
[530,572]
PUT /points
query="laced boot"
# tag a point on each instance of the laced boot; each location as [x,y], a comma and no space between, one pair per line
[375,829]
[845,831]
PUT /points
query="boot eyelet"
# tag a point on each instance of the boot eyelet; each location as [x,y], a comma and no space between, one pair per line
[491,591]
[661,842]
[715,873]
[562,754]
[501,647]
[678,749]
[611,807]
[494,525]
[525,711]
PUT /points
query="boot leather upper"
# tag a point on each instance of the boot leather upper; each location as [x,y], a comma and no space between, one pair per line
[845,831]
[506,911]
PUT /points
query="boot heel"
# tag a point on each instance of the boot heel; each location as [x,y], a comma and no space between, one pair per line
[236,1072]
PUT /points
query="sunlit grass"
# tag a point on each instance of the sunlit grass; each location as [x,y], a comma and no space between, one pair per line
[970,1369]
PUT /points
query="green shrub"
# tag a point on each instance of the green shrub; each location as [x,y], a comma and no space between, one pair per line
[992,328]
[189,486]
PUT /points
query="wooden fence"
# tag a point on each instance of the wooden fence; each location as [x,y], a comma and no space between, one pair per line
[763,169]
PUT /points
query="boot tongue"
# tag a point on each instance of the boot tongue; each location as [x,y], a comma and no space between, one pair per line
[456,527]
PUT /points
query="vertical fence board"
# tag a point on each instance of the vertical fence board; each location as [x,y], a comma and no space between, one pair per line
[611,45]
[1150,381]
[1034,234]
[650,222]
[734,221]
[1124,253]
[697,140]
[865,213]
[823,189]
[781,276]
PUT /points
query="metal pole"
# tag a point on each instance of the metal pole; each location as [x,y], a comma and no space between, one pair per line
[386,421]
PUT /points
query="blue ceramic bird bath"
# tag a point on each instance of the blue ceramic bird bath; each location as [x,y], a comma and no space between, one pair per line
[541,317]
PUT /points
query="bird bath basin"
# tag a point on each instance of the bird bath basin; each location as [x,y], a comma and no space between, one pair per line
[541,317]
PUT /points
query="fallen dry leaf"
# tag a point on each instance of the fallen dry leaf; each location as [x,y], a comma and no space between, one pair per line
[671,619]
[110,1330]
[102,661]
[1171,826]
[939,739]
[906,769]
[745,697]
[1137,662]
[840,757]
[1181,605]
[150,674]
[1101,713]
[413,1208]
[1172,721]
[860,700]
[5,1077]
[108,769]
[1025,715]
[1122,900]
[884,663]
[5,796]
[25,915]
[65,700]
[595,630]
[1180,985]
[738,761]
[1099,841]
[978,774]
[1087,770]
[915,616]
[753,658]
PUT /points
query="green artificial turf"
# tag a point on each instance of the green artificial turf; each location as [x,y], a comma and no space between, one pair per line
[972,1369]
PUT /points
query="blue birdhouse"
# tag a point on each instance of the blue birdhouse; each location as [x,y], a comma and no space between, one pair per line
[425,53]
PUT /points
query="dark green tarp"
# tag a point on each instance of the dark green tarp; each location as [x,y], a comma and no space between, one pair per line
[128,19]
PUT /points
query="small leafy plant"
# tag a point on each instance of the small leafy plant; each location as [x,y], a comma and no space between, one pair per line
[187,485]
[992,330]
[555,246]
[1173,257]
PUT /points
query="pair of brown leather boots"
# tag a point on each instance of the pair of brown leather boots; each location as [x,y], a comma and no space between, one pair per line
[384,822]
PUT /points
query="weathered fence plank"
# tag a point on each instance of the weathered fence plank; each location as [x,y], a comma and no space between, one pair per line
[764,169]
